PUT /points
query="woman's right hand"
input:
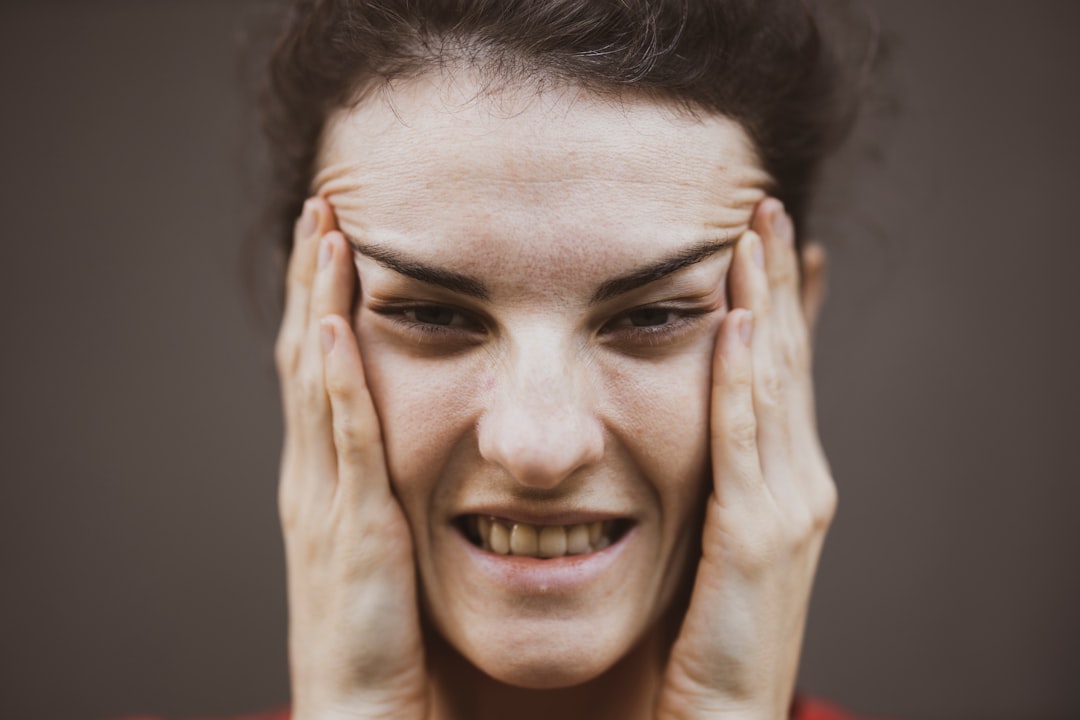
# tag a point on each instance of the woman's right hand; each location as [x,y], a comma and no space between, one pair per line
[355,646]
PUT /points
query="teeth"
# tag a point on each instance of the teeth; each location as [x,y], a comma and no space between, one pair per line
[596,531]
[577,540]
[552,541]
[499,539]
[547,541]
[523,540]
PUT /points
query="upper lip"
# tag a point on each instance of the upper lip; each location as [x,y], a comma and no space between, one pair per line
[568,517]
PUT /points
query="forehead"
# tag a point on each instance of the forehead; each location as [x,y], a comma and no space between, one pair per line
[442,160]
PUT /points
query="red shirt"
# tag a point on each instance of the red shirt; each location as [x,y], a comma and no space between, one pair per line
[804,708]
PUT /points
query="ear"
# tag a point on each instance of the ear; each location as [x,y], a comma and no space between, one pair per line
[813,261]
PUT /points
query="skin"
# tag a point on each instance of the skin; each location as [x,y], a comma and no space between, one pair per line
[538,401]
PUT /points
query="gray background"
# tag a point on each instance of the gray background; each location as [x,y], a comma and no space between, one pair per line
[141,560]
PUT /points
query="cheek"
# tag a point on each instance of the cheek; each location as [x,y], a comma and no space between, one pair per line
[662,410]
[426,412]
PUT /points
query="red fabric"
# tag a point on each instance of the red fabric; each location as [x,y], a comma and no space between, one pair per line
[808,708]
[805,708]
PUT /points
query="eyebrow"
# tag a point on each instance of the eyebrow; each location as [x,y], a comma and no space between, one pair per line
[468,285]
[660,269]
[393,260]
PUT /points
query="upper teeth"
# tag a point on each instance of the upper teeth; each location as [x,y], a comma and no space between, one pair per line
[542,541]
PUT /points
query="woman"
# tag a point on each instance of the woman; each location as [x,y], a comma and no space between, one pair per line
[545,358]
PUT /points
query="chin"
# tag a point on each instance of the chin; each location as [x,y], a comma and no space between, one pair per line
[545,624]
[543,658]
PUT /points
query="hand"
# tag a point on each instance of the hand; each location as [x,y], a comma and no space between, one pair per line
[773,495]
[355,647]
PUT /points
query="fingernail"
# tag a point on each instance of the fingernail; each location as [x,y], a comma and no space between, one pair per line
[327,335]
[746,328]
[326,251]
[759,253]
[308,219]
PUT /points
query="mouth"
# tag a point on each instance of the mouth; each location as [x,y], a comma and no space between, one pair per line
[501,536]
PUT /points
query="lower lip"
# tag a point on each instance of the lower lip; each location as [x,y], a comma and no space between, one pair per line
[551,576]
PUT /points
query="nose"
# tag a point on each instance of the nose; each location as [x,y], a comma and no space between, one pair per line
[540,425]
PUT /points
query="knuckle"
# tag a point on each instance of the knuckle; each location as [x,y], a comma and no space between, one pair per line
[765,548]
[350,437]
[286,353]
[795,352]
[762,303]
[824,505]
[742,432]
[310,391]
[338,386]
[799,527]
[771,386]
[345,428]
[736,374]
[288,515]
[783,272]
[288,505]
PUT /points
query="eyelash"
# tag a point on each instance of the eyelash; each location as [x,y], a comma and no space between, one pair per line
[433,331]
[683,319]
[474,328]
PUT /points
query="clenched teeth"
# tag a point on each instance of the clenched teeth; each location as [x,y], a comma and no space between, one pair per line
[540,541]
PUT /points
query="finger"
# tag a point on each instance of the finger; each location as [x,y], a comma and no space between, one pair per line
[299,277]
[308,464]
[747,252]
[733,424]
[792,285]
[751,290]
[777,233]
[331,292]
[334,287]
[363,482]
[792,341]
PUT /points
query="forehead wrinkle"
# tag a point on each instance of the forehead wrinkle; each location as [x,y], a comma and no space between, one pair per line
[437,166]
[529,197]
[449,184]
[338,179]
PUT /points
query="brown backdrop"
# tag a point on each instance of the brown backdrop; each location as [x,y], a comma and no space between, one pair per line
[142,566]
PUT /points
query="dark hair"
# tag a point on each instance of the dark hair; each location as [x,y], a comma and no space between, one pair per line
[765,63]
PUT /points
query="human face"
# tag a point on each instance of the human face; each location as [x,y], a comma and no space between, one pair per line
[542,278]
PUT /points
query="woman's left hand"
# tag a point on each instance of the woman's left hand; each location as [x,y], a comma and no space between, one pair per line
[773,494]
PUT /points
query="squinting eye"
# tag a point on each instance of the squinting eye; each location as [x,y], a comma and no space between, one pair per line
[432,315]
[437,325]
[648,317]
[653,325]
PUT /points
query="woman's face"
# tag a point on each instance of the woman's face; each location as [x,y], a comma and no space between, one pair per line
[542,277]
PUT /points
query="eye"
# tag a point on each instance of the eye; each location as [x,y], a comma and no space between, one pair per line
[432,315]
[649,317]
[652,324]
[433,323]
